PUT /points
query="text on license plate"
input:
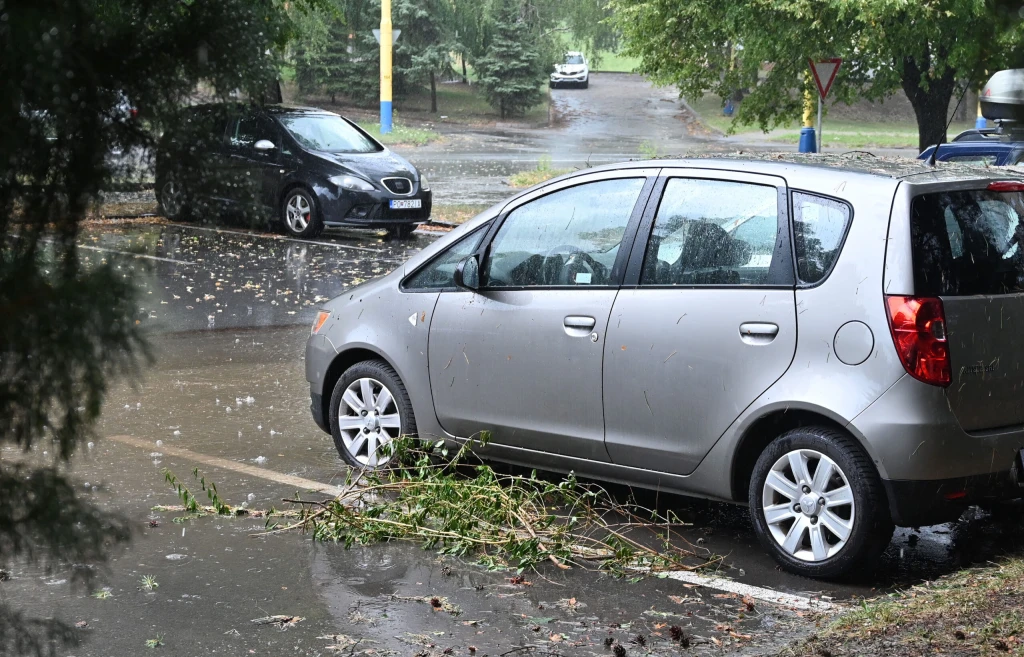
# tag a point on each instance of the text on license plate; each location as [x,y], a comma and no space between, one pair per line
[406,204]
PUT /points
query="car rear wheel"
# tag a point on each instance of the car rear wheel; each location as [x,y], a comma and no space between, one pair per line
[172,199]
[370,410]
[817,503]
[300,214]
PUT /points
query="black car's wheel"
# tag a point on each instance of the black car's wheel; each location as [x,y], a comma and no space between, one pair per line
[172,199]
[817,503]
[370,409]
[401,231]
[300,214]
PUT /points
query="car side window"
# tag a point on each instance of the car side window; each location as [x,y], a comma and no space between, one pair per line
[440,272]
[567,238]
[712,232]
[819,227]
[246,131]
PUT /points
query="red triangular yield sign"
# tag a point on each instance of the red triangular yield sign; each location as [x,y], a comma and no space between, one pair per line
[824,73]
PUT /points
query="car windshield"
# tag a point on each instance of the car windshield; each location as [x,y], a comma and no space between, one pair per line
[325,132]
[574,59]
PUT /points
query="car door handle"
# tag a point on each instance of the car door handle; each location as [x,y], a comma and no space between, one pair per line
[579,322]
[758,332]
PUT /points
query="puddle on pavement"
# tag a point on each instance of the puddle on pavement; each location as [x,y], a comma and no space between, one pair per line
[201,278]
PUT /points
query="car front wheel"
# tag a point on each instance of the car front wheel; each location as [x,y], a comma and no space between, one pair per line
[300,214]
[370,410]
[817,503]
[401,231]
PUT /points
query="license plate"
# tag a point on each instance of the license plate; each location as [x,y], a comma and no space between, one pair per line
[406,204]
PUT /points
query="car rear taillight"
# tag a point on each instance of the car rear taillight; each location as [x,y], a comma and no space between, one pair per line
[918,327]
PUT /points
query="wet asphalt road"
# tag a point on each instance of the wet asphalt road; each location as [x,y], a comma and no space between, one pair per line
[228,313]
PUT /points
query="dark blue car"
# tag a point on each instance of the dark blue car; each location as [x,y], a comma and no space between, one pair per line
[985,146]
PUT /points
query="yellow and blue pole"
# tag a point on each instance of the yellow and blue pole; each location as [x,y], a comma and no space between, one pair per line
[385,66]
[980,122]
[808,139]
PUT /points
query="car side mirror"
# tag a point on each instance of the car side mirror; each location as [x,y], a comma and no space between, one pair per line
[467,273]
[264,145]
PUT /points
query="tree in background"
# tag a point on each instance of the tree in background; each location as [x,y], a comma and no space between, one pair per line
[335,51]
[70,70]
[424,51]
[924,48]
[513,69]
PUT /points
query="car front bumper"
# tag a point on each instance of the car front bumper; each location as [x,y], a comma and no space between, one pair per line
[347,208]
[569,79]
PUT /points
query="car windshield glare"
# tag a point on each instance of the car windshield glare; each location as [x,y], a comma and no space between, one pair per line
[574,59]
[328,133]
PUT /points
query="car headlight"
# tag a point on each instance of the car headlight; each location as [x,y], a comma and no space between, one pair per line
[352,183]
[424,185]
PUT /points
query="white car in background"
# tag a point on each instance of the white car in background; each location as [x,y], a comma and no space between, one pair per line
[572,71]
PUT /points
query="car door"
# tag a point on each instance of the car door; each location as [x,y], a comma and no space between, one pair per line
[522,356]
[257,173]
[706,319]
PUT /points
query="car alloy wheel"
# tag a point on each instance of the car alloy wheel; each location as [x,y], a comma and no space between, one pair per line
[368,419]
[298,213]
[171,199]
[808,505]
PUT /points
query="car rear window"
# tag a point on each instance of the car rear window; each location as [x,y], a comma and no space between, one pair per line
[968,243]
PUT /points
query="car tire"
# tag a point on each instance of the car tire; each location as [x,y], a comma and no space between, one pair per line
[401,232]
[356,434]
[173,200]
[586,83]
[815,547]
[300,214]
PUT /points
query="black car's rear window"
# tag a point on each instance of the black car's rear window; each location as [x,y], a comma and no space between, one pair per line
[968,243]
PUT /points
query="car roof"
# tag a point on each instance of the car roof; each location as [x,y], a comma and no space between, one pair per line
[296,109]
[270,109]
[857,162]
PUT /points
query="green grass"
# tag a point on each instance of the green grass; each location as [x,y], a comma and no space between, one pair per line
[464,103]
[970,612]
[843,133]
[456,103]
[612,62]
[401,135]
[536,176]
[455,214]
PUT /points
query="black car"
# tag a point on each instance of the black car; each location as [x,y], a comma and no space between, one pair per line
[309,168]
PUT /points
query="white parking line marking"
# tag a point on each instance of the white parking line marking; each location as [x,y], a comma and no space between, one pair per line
[277,237]
[800,602]
[225,464]
[138,255]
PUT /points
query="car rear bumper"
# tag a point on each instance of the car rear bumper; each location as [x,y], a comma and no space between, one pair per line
[933,469]
[922,503]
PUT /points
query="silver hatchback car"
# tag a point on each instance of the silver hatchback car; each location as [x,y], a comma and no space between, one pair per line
[837,346]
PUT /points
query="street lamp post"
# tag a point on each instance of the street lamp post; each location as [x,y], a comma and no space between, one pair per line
[385,66]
